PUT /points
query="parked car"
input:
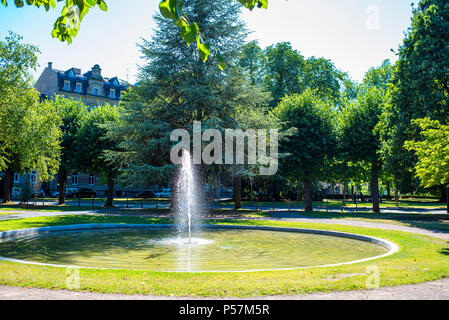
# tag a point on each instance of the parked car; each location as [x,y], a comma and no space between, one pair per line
[146,194]
[81,193]
[67,190]
[165,193]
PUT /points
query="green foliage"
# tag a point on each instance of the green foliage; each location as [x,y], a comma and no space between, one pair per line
[17,59]
[432,152]
[177,88]
[284,69]
[251,62]
[358,138]
[420,87]
[66,26]
[379,77]
[92,141]
[30,132]
[189,29]
[71,113]
[314,138]
[286,72]
[322,75]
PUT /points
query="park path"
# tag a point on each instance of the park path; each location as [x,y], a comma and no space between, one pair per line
[434,290]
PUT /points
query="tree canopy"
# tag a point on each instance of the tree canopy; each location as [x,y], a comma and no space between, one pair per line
[313,140]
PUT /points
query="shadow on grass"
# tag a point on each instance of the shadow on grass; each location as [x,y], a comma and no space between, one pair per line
[78,219]
[30,207]
[432,222]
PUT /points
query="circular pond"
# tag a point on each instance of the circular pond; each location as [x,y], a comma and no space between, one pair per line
[212,249]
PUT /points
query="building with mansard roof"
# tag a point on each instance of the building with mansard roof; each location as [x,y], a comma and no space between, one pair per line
[91,87]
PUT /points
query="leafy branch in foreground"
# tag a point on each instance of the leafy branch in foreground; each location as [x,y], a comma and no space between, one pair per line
[68,24]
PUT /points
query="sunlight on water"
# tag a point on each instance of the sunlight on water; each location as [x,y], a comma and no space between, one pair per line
[159,249]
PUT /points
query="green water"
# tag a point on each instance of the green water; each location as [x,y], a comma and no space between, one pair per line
[220,250]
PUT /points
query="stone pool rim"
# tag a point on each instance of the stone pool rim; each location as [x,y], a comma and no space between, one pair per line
[10,235]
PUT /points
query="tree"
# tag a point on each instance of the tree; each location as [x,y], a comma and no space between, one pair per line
[322,75]
[284,71]
[419,88]
[29,137]
[92,142]
[432,152]
[251,62]
[177,88]
[17,60]
[313,141]
[71,113]
[358,139]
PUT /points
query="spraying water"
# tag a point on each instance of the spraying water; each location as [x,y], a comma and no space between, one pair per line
[186,196]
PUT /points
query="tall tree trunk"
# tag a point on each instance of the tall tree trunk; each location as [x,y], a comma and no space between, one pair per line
[237,192]
[307,195]
[447,198]
[396,196]
[375,186]
[7,186]
[345,186]
[110,195]
[389,190]
[62,182]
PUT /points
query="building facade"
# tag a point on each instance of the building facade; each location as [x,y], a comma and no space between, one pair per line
[91,87]
[93,90]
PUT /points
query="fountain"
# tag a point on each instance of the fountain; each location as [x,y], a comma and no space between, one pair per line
[186,197]
[214,248]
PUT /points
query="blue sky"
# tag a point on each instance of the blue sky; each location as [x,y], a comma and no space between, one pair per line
[354,34]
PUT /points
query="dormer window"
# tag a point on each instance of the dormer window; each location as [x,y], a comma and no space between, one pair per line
[112,94]
[66,85]
[78,87]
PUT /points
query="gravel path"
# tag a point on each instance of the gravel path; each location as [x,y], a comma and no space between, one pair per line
[435,290]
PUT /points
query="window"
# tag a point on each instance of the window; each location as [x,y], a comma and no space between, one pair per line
[112,94]
[95,91]
[74,180]
[66,85]
[92,180]
[16,178]
[33,177]
[78,87]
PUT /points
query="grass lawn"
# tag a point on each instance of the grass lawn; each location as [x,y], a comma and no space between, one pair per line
[421,258]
